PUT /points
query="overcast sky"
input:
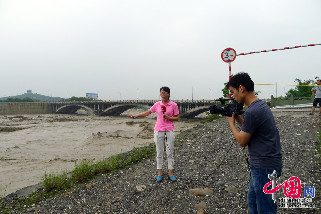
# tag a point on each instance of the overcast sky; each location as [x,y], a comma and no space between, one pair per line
[128,49]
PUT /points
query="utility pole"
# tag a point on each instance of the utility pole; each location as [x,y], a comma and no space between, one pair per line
[192,94]
[137,94]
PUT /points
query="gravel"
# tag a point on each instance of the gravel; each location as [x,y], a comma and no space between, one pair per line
[207,159]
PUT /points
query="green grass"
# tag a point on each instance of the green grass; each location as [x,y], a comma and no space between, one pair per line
[84,171]
[210,117]
[56,182]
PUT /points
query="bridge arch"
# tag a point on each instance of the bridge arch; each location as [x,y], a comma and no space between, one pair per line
[117,110]
[72,109]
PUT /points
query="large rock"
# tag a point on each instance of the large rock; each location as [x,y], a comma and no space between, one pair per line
[140,188]
[200,191]
[232,189]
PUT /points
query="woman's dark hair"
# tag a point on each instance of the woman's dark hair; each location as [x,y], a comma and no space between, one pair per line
[241,79]
[165,89]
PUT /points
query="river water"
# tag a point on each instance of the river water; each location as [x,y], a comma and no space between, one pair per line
[32,145]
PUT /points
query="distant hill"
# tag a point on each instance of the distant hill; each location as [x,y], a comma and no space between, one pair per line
[34,97]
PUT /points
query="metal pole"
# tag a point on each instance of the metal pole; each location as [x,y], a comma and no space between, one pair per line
[192,94]
[229,78]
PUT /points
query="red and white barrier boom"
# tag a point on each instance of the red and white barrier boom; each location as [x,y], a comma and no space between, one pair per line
[229,54]
[285,48]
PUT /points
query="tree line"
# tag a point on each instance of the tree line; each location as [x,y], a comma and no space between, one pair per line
[28,99]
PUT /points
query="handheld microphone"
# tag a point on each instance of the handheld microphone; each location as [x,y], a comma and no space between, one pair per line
[163,109]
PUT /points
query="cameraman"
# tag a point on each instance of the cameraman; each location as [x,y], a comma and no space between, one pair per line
[260,134]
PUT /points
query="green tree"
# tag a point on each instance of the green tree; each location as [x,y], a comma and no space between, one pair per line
[301,91]
[14,99]
[225,90]
[28,99]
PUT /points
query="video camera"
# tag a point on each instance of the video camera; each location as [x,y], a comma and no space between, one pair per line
[227,109]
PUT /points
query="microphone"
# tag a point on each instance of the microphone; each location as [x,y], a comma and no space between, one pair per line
[163,109]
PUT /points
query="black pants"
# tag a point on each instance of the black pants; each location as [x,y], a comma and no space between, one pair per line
[316,101]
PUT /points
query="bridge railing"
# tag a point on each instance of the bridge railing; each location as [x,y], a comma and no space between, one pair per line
[138,101]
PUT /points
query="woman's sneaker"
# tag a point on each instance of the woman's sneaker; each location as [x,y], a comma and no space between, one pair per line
[159,178]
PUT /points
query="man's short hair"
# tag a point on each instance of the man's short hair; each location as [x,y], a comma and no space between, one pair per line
[241,79]
[165,89]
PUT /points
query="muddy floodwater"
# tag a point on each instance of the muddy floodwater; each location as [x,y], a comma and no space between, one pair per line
[32,145]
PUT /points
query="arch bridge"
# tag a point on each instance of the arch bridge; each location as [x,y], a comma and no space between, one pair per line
[187,109]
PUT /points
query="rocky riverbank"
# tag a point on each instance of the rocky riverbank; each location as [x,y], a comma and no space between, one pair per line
[211,170]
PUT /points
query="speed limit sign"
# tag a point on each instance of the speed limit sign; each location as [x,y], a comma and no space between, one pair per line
[228,55]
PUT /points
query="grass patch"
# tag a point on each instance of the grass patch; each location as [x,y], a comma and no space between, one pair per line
[84,171]
[56,182]
[181,140]
[210,117]
[14,206]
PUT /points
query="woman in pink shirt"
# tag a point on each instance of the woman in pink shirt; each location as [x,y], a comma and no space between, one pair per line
[167,112]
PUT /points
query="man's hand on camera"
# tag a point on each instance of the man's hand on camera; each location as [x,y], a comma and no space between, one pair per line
[231,120]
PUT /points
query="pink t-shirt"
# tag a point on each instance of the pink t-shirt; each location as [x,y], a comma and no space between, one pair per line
[161,123]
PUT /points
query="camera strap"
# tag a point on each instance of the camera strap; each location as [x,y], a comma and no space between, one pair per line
[248,162]
[247,159]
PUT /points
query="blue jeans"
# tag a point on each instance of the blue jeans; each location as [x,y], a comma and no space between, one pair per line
[258,201]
